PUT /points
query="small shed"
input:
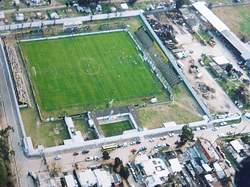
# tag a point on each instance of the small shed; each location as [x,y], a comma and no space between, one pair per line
[124,6]
[20,16]
[2,16]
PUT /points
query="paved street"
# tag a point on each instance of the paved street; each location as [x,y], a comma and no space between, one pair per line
[22,163]
[68,160]
[37,24]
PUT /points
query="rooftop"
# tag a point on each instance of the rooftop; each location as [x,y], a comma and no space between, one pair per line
[237,145]
[175,165]
[223,29]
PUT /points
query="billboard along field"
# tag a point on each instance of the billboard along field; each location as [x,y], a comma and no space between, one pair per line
[83,73]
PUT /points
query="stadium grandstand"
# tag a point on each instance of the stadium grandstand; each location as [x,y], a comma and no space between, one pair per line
[166,69]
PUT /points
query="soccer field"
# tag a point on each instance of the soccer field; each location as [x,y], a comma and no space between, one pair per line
[86,72]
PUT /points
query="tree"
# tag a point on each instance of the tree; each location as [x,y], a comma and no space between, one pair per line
[187,134]
[229,68]
[180,3]
[124,172]
[105,155]
[242,94]
[67,4]
[246,139]
[5,157]
[5,152]
[131,2]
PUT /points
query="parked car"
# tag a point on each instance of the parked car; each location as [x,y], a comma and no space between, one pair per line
[96,158]
[247,115]
[85,152]
[163,138]
[58,157]
[143,148]
[171,134]
[89,158]
[137,141]
[151,140]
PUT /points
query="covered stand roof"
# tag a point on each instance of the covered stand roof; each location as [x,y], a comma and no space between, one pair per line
[223,29]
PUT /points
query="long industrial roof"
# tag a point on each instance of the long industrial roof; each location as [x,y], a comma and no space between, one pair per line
[223,29]
[210,16]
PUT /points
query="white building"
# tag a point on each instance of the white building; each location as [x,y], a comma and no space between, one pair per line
[221,60]
[155,170]
[20,17]
[2,15]
[86,178]
[237,145]
[98,178]
[175,165]
[70,181]
[103,178]
[76,136]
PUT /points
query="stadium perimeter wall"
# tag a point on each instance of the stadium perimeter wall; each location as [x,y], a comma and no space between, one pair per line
[28,147]
[173,61]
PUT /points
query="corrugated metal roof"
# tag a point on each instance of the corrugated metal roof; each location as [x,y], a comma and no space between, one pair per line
[237,43]
[223,29]
[210,16]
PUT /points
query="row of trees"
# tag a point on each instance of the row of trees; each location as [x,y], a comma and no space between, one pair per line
[5,158]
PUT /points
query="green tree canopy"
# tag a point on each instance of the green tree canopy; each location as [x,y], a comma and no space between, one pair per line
[187,134]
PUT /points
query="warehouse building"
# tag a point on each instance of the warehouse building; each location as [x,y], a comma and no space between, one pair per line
[239,47]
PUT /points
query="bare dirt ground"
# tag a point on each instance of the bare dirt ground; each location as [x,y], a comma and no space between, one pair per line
[220,102]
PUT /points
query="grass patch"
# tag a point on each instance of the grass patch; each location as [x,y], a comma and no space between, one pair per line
[113,129]
[87,132]
[87,72]
[204,35]
[237,18]
[3,173]
[47,134]
[183,109]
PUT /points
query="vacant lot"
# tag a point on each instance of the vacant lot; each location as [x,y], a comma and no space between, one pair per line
[183,109]
[113,129]
[87,72]
[237,18]
[47,134]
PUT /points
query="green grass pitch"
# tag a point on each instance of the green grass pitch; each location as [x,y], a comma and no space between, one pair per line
[113,129]
[86,72]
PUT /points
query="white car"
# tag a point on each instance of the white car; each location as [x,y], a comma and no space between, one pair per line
[223,123]
[163,138]
[125,144]
[89,158]
[198,129]
[151,140]
[247,115]
[171,134]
